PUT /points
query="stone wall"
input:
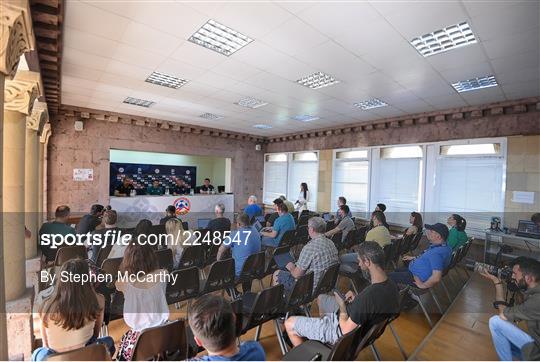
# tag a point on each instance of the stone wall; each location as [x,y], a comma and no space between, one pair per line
[69,149]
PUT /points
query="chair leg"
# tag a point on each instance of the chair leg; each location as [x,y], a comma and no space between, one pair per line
[258,333]
[426,314]
[307,309]
[436,300]
[375,352]
[279,335]
[396,337]
[443,284]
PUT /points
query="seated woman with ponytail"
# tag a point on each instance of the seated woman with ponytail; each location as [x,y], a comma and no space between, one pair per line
[457,235]
[71,316]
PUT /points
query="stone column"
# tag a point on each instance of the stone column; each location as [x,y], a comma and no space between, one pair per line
[16,37]
[44,144]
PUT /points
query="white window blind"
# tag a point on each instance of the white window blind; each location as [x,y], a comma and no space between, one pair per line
[303,171]
[275,180]
[351,181]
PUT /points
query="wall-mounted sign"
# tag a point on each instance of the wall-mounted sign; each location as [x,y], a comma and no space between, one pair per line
[83,174]
[523,197]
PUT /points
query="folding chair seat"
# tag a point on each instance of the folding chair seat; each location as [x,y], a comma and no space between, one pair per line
[186,286]
[93,352]
[167,342]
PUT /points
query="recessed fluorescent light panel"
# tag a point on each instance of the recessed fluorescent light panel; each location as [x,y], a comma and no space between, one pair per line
[210,116]
[305,118]
[250,102]
[442,40]
[262,126]
[370,104]
[475,83]
[317,80]
[138,102]
[165,80]
[220,38]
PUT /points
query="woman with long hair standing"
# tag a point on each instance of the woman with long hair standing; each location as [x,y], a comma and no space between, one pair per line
[71,316]
[303,197]
[457,235]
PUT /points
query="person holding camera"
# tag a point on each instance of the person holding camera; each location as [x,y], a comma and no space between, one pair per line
[510,340]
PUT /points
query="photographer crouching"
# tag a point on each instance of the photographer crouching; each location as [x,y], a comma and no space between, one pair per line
[510,340]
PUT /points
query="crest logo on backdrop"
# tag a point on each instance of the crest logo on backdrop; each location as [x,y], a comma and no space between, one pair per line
[182,205]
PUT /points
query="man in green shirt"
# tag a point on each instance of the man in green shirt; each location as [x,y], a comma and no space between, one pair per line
[154,189]
[58,226]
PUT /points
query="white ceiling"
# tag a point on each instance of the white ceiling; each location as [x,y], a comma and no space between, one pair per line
[110,48]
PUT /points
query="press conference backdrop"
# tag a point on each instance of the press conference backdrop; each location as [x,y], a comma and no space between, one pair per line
[143,175]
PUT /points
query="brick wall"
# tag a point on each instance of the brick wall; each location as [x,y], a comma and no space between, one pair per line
[69,149]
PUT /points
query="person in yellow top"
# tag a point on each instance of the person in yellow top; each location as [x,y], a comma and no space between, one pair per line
[379,233]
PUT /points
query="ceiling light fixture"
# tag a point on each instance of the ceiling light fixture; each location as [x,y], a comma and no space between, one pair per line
[138,102]
[317,80]
[475,83]
[262,126]
[165,80]
[250,102]
[219,38]
[370,104]
[210,116]
[442,40]
[305,118]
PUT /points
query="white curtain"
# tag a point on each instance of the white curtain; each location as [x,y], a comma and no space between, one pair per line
[351,181]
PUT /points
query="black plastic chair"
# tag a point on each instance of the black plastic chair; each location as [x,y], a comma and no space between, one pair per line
[186,286]
[158,230]
[192,255]
[271,265]
[336,239]
[368,339]
[220,277]
[102,254]
[67,253]
[165,259]
[416,240]
[164,342]
[185,225]
[288,238]
[261,307]
[351,240]
[327,282]
[330,225]
[93,352]
[303,219]
[253,269]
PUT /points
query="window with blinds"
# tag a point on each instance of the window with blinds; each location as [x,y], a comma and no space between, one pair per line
[304,167]
[351,179]
[275,177]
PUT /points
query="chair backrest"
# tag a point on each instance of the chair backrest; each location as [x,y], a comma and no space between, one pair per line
[165,259]
[288,238]
[389,253]
[185,225]
[416,241]
[110,267]
[93,352]
[66,253]
[342,349]
[327,282]
[167,341]
[158,229]
[405,244]
[220,276]
[267,306]
[254,267]
[302,236]
[336,238]
[236,306]
[295,215]
[330,225]
[305,212]
[103,253]
[352,239]
[266,217]
[301,292]
[193,255]
[186,285]
[303,219]
[368,335]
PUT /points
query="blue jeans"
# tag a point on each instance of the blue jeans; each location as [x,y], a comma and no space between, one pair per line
[268,241]
[508,338]
[42,353]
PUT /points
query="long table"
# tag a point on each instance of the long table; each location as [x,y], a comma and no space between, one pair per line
[189,207]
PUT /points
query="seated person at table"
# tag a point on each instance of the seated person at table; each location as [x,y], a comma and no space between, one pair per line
[242,242]
[213,323]
[170,213]
[425,270]
[273,217]
[71,315]
[379,232]
[180,187]
[58,226]
[457,235]
[346,224]
[154,189]
[253,209]
[283,223]
[89,222]
[220,223]
[206,187]
[341,201]
[416,224]
[125,188]
[290,205]
[317,255]
[377,301]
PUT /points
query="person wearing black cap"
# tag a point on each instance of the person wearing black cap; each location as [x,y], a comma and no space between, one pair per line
[425,270]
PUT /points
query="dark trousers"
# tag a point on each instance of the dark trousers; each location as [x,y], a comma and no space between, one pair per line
[402,276]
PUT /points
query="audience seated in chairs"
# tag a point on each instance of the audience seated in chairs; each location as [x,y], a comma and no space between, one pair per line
[109,220]
[145,303]
[283,223]
[273,217]
[170,213]
[89,222]
[377,301]
[289,204]
[177,239]
[416,224]
[341,201]
[71,315]
[220,223]
[58,226]
[214,327]
[425,270]
[457,235]
[317,255]
[346,224]
[253,209]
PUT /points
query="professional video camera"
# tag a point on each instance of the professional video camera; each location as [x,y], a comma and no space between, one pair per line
[503,273]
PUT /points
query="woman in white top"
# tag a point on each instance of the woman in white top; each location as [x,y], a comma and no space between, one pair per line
[303,197]
[71,316]
[176,239]
[145,303]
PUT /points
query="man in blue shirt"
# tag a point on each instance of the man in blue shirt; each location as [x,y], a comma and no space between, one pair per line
[283,223]
[213,323]
[253,209]
[426,270]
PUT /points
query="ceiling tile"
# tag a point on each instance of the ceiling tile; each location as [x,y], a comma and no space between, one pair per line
[147,38]
[513,44]
[198,56]
[83,16]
